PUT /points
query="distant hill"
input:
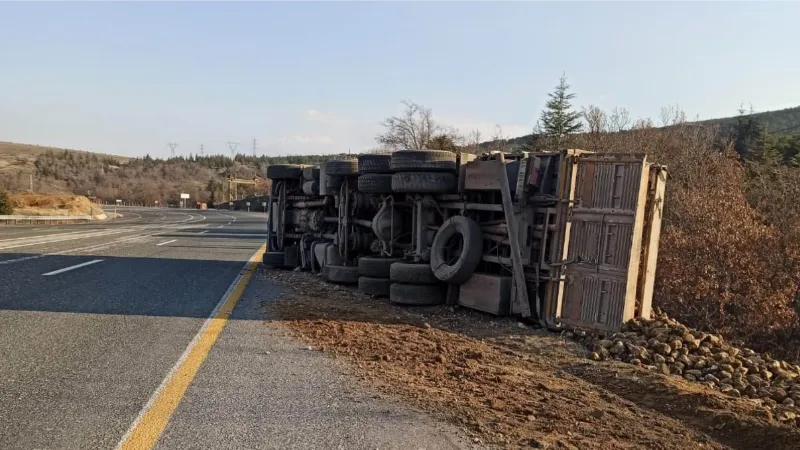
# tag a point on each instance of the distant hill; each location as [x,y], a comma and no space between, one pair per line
[780,122]
[137,180]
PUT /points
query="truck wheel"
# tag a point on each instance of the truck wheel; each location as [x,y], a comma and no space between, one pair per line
[342,167]
[375,183]
[343,274]
[374,163]
[411,273]
[417,294]
[311,173]
[456,250]
[423,161]
[284,171]
[378,287]
[424,182]
[273,259]
[376,266]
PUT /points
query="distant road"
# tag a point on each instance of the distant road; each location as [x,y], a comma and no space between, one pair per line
[116,335]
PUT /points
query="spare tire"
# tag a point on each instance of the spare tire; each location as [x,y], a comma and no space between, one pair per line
[342,167]
[370,163]
[412,273]
[375,183]
[424,182]
[284,171]
[376,266]
[416,294]
[311,173]
[379,287]
[455,264]
[423,161]
[343,274]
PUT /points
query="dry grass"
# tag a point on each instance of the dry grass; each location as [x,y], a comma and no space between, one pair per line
[54,205]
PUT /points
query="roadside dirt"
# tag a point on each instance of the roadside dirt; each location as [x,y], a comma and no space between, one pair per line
[511,386]
[55,205]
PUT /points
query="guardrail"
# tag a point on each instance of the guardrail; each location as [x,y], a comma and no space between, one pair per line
[16,220]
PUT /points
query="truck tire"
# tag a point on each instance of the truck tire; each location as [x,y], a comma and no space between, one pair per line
[376,266]
[378,287]
[423,161]
[343,274]
[424,182]
[375,183]
[273,259]
[284,171]
[456,265]
[411,273]
[334,182]
[311,173]
[417,294]
[374,163]
[342,167]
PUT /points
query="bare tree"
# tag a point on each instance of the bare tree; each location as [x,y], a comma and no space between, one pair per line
[499,141]
[412,130]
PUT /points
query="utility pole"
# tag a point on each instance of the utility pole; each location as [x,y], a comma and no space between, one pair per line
[254,147]
[202,153]
[172,146]
[31,178]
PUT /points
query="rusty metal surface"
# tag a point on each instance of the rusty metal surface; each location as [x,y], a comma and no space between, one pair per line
[486,292]
[483,175]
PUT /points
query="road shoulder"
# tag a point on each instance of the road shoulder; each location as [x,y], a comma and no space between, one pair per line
[261,388]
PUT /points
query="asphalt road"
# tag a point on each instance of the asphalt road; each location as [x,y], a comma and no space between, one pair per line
[95,317]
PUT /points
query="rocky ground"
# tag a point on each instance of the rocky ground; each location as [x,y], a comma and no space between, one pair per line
[511,386]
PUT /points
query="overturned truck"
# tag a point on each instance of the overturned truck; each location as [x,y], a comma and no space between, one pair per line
[566,237]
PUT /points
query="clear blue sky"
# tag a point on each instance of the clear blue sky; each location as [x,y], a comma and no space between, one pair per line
[127,78]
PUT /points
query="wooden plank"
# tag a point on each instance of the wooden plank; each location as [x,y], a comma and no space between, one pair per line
[636,246]
[653,235]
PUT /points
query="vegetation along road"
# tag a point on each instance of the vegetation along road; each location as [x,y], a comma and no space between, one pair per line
[147,332]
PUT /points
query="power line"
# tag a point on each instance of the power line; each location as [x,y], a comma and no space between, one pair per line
[172,146]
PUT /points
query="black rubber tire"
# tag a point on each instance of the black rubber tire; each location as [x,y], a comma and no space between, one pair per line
[374,163]
[273,259]
[375,183]
[471,250]
[424,182]
[376,266]
[343,274]
[378,287]
[417,294]
[311,173]
[423,161]
[284,171]
[334,182]
[342,167]
[411,273]
[324,272]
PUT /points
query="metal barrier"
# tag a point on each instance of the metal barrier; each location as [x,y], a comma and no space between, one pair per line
[17,220]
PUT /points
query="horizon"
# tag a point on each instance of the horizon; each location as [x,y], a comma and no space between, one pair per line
[312,78]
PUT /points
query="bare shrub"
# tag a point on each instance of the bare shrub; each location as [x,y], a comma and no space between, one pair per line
[721,267]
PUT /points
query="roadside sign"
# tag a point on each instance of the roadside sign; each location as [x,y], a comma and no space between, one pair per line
[248,203]
[184,196]
[264,204]
[119,201]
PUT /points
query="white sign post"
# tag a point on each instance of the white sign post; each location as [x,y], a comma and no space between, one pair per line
[248,206]
[118,202]
[184,197]
[264,205]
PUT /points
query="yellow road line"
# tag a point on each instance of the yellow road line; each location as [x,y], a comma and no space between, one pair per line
[154,418]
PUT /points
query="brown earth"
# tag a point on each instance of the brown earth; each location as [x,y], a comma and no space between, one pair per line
[55,205]
[511,386]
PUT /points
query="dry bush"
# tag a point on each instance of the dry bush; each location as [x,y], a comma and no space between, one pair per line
[722,267]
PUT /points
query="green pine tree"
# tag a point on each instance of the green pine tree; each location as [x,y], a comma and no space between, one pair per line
[6,207]
[558,121]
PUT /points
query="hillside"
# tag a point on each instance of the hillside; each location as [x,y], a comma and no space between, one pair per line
[780,122]
[136,180]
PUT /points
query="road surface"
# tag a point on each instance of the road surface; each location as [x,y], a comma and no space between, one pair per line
[146,331]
